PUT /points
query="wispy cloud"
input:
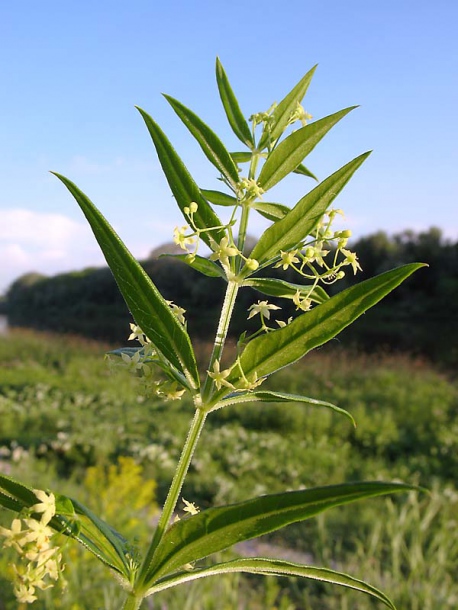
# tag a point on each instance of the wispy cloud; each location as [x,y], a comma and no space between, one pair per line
[43,242]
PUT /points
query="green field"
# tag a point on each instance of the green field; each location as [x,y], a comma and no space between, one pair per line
[71,425]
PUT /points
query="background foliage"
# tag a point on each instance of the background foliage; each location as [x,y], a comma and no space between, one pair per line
[420,317]
[54,389]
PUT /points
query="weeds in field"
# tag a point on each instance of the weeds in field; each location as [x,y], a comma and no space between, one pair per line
[301,238]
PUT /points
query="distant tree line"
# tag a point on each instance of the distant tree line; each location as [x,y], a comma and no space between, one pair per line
[421,316]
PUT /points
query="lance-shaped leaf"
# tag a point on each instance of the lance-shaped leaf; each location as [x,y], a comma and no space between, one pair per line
[14,495]
[288,155]
[182,184]
[231,107]
[219,528]
[283,111]
[303,171]
[148,307]
[302,219]
[271,211]
[101,539]
[268,396]
[78,522]
[275,350]
[272,567]
[219,198]
[286,290]
[199,263]
[209,142]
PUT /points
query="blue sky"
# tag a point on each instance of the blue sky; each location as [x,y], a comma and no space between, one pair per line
[71,73]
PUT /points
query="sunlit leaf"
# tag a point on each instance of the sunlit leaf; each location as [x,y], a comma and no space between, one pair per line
[268,396]
[199,263]
[210,143]
[286,290]
[231,106]
[17,491]
[219,198]
[287,156]
[275,350]
[148,307]
[282,113]
[303,218]
[241,157]
[181,183]
[272,567]
[219,528]
[271,211]
[303,171]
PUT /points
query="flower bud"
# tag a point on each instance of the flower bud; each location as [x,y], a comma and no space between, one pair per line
[252,264]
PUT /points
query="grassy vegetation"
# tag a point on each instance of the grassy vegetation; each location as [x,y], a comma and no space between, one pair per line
[70,424]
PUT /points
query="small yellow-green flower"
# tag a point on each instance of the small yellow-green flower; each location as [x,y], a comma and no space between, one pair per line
[287,259]
[171,391]
[190,507]
[14,537]
[133,363]
[223,251]
[301,303]
[181,239]
[177,311]
[351,259]
[47,505]
[263,308]
[219,377]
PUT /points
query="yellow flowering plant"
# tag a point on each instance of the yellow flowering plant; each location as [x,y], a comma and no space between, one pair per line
[299,237]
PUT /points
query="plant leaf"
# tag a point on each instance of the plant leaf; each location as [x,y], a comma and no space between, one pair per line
[181,183]
[199,263]
[209,142]
[286,290]
[302,219]
[275,350]
[241,157]
[219,198]
[284,110]
[271,211]
[268,396]
[14,495]
[231,107]
[219,528]
[148,307]
[101,539]
[290,152]
[272,567]
[303,171]
[92,532]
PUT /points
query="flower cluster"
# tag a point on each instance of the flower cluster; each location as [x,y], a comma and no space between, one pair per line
[32,538]
[309,258]
[243,383]
[143,360]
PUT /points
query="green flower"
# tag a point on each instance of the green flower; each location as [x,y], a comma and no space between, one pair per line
[263,308]
[219,377]
[223,251]
[351,259]
[287,259]
[47,505]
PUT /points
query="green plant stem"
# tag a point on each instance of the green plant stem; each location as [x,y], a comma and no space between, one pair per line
[175,489]
[221,334]
[243,230]
[133,602]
